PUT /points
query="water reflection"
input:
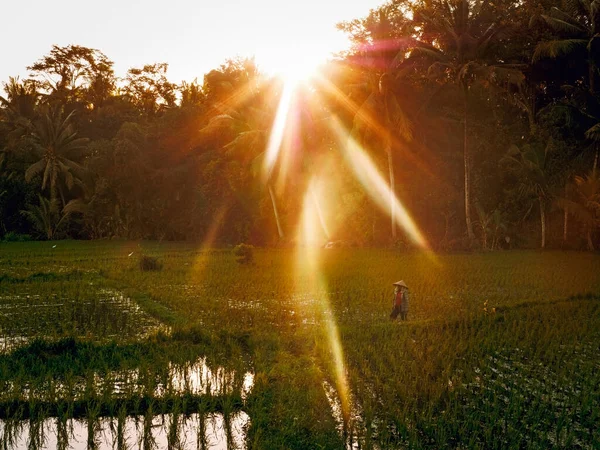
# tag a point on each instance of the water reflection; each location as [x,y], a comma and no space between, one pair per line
[195,379]
[175,406]
[168,431]
[355,433]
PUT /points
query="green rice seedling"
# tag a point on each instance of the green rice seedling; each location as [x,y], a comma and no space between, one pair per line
[495,344]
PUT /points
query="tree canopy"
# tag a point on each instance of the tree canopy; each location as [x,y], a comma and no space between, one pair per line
[462,124]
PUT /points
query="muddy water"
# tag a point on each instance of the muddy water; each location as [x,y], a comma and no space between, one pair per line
[196,431]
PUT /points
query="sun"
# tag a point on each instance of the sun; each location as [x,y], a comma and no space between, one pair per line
[295,72]
[295,65]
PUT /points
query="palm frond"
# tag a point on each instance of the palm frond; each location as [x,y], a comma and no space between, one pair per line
[563,24]
[35,169]
[557,48]
[561,15]
[246,141]
[594,133]
[438,68]
[76,206]
[430,53]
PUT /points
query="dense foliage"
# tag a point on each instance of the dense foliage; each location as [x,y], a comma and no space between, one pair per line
[485,115]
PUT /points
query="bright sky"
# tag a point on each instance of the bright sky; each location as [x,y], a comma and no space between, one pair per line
[192,36]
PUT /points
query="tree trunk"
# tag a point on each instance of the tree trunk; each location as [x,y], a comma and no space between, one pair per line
[595,166]
[566,217]
[470,233]
[590,243]
[275,212]
[392,187]
[543,222]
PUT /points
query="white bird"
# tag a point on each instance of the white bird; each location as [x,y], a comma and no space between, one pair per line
[130,254]
[54,246]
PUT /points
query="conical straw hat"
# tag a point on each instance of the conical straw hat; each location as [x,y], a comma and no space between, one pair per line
[400,283]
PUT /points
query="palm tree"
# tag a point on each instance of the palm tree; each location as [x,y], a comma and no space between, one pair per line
[17,111]
[491,224]
[46,217]
[586,204]
[579,27]
[456,44]
[249,127]
[56,145]
[20,101]
[386,69]
[530,165]
[593,134]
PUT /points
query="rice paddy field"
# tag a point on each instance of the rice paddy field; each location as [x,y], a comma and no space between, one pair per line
[296,350]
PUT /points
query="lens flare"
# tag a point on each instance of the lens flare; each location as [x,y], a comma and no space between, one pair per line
[315,189]
[367,174]
[312,280]
[208,241]
[278,130]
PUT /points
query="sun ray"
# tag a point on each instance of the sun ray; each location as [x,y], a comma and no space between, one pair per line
[367,174]
[311,278]
[277,131]
[371,122]
[209,241]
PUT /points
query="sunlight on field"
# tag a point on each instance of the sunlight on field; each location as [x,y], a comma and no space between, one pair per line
[313,282]
[309,330]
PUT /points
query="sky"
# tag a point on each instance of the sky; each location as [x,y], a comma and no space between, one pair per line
[193,37]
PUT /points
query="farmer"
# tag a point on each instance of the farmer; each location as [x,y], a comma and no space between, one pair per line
[400,305]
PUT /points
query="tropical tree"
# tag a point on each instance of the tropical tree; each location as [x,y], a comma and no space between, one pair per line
[17,111]
[46,217]
[578,26]
[593,134]
[75,73]
[191,94]
[381,117]
[455,39]
[585,204]
[531,167]
[56,145]
[491,225]
[250,131]
[578,30]
[149,89]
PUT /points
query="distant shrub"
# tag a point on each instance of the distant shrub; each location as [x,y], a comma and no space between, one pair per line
[11,236]
[149,263]
[244,253]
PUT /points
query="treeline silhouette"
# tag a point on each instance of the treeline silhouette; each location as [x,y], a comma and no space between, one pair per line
[484,117]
